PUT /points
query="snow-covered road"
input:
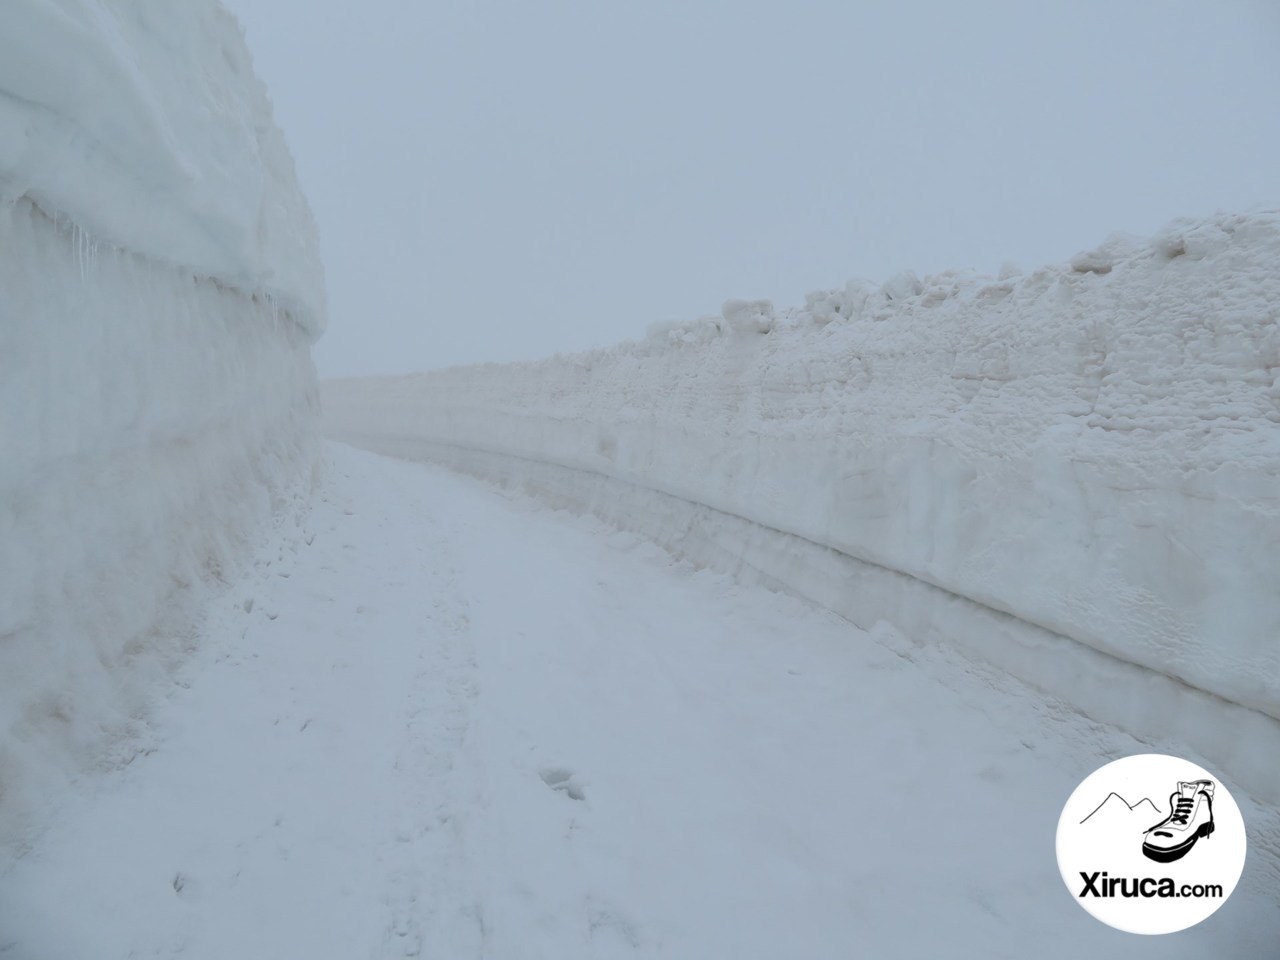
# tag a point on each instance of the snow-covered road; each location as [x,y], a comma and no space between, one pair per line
[457,724]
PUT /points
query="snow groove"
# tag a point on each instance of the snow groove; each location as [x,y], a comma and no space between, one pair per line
[433,908]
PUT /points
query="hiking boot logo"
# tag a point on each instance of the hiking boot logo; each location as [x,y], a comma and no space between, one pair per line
[1192,818]
[1130,864]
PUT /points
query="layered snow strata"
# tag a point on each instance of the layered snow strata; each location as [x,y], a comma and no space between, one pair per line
[1092,451]
[143,122]
[159,293]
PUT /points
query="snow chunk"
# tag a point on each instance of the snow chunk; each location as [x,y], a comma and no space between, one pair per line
[856,294]
[824,306]
[748,316]
[1207,240]
[676,332]
[1103,258]
[902,286]
[661,330]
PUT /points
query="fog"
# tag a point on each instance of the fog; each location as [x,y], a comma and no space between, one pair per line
[501,180]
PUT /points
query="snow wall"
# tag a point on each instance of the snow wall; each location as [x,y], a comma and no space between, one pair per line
[160,288]
[1073,474]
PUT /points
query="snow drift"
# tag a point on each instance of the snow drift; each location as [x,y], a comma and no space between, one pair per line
[1071,473]
[159,291]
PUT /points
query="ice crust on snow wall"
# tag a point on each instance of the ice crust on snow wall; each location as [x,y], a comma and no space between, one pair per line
[159,293]
[1074,474]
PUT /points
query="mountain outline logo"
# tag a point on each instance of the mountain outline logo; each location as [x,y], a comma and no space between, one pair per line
[1131,806]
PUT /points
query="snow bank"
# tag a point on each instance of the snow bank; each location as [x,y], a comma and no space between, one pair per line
[159,292]
[143,123]
[1073,473]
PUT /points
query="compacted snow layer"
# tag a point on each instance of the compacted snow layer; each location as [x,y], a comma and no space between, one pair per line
[150,425]
[1092,451]
[142,122]
[445,724]
[159,291]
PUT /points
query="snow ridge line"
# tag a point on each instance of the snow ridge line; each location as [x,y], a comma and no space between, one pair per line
[1156,707]
[91,247]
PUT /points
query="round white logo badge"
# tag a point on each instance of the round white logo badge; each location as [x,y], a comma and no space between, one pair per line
[1151,844]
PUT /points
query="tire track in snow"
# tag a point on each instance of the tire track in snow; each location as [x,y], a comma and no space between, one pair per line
[432,909]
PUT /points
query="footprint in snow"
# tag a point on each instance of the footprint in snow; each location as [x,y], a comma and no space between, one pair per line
[563,781]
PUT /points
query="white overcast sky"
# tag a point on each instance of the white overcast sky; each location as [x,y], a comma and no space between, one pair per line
[503,179]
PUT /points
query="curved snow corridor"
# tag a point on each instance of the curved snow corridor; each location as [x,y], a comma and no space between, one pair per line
[450,723]
[1071,474]
[435,720]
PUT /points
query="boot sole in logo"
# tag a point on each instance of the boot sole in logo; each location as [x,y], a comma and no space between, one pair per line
[1169,854]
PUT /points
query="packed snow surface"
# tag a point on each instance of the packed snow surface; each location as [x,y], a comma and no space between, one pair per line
[159,292]
[142,123]
[437,722]
[1073,472]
